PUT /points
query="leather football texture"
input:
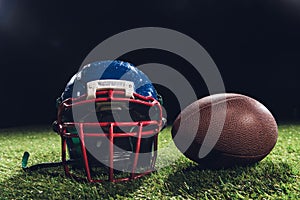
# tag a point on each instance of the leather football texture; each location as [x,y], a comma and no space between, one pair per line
[247,135]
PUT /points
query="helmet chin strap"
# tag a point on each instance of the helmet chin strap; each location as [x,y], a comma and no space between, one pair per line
[25,159]
[41,165]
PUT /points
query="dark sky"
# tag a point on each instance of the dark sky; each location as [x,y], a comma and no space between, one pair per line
[255,44]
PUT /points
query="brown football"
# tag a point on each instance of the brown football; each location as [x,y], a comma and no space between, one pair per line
[225,130]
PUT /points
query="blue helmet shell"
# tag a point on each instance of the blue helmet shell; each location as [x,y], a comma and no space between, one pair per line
[109,69]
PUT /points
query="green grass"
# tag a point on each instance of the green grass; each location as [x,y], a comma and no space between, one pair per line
[275,177]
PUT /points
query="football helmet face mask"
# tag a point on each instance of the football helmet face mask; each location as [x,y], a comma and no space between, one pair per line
[109,117]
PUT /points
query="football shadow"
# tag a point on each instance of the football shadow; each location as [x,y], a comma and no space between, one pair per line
[264,176]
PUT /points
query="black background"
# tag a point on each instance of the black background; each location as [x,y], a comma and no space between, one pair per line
[255,44]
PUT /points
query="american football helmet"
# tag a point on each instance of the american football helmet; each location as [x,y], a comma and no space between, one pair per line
[109,117]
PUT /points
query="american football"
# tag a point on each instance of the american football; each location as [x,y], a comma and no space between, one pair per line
[248,135]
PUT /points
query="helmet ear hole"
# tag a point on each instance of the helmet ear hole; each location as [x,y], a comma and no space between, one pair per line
[160,99]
